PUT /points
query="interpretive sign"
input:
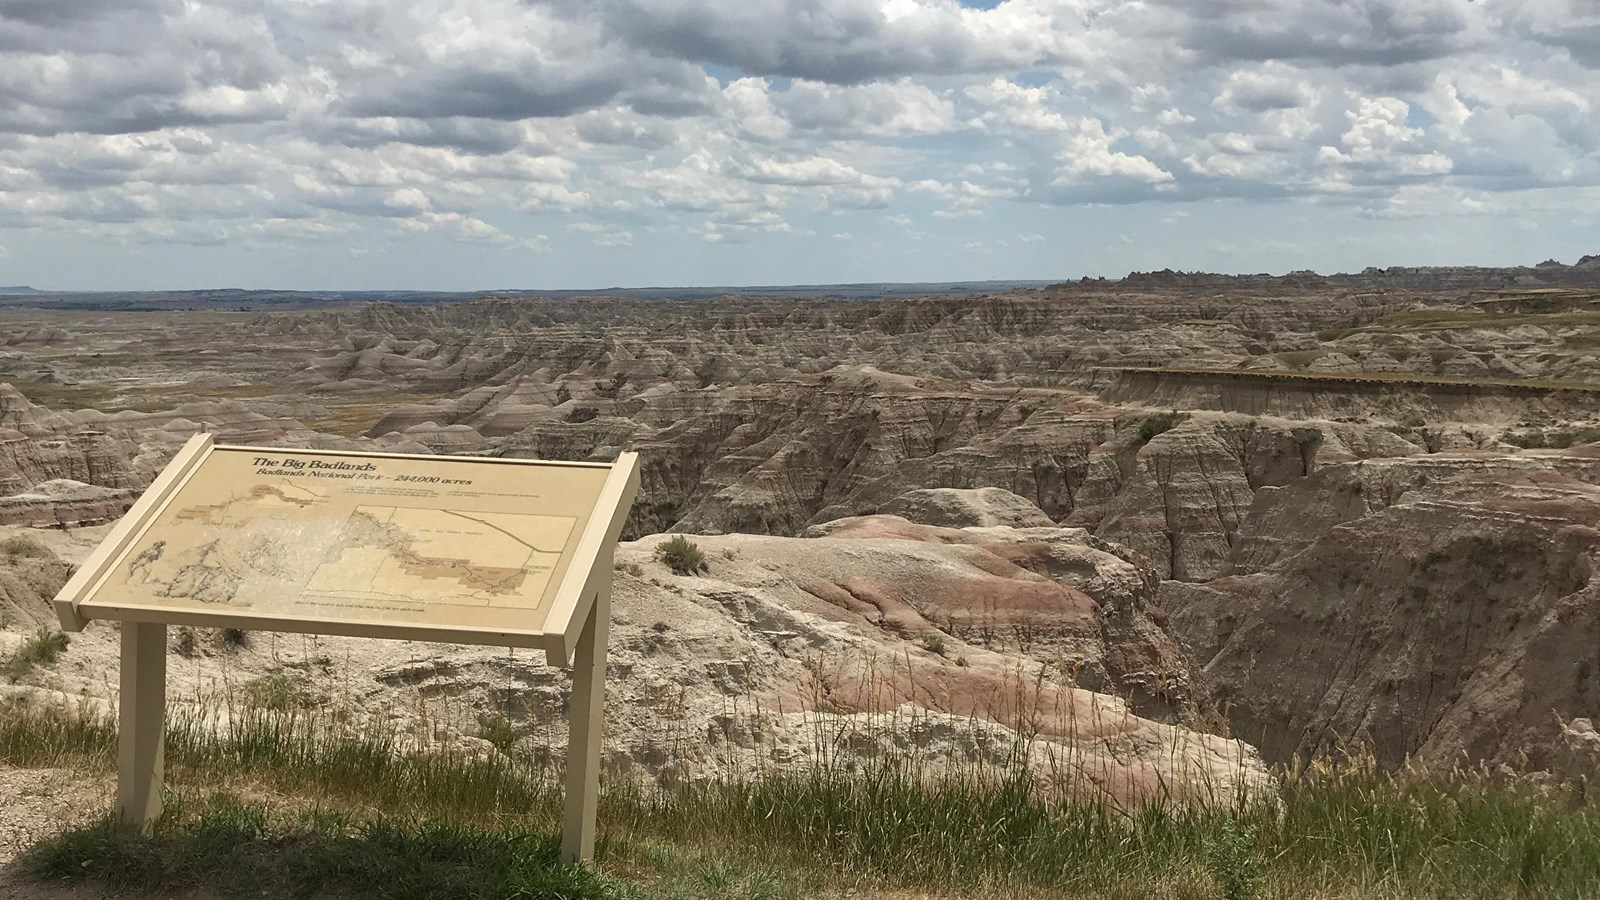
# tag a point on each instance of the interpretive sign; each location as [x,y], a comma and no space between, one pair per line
[459,549]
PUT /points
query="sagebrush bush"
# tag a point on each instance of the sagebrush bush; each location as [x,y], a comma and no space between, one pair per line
[683,556]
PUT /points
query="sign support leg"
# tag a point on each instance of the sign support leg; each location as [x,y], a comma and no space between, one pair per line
[141,713]
[587,720]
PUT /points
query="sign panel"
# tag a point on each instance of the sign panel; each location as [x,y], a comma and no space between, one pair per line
[440,548]
[451,548]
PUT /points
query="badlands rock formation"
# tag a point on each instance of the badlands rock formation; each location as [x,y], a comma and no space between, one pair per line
[957,646]
[1366,501]
[1443,609]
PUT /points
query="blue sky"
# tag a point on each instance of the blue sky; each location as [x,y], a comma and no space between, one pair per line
[473,144]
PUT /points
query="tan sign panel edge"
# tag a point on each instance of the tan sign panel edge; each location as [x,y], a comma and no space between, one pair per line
[557,634]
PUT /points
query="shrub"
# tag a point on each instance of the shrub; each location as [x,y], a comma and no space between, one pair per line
[274,692]
[1306,435]
[233,639]
[1159,423]
[580,414]
[19,547]
[683,556]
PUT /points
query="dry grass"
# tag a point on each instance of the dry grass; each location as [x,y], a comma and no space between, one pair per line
[326,794]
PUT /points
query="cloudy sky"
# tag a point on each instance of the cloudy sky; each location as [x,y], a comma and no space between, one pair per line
[467,144]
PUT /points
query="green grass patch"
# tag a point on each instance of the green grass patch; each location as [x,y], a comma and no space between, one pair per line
[274,692]
[244,850]
[41,648]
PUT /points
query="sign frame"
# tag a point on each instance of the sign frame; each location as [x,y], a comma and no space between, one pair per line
[573,634]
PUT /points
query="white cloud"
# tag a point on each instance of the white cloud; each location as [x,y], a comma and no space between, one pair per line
[470,229]
[603,235]
[282,121]
[882,109]
[1379,136]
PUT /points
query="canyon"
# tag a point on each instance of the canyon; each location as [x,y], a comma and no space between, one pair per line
[1160,533]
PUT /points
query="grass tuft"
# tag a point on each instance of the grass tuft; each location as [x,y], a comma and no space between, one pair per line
[501,732]
[273,692]
[43,647]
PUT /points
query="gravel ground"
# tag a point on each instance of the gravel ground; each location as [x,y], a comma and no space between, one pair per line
[36,803]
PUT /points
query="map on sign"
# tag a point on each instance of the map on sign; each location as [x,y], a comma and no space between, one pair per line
[425,541]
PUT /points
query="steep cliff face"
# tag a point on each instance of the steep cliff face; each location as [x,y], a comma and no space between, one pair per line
[65,504]
[1438,611]
[30,575]
[1477,396]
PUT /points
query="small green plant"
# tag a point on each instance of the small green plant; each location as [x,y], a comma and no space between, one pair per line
[42,648]
[933,643]
[500,731]
[1233,860]
[275,692]
[1159,423]
[233,639]
[683,556]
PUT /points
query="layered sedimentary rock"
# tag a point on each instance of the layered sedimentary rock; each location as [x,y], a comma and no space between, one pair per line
[64,503]
[959,508]
[30,575]
[1441,609]
[881,636]
[1265,445]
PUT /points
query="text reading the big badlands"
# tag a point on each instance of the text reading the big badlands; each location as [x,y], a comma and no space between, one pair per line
[323,468]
